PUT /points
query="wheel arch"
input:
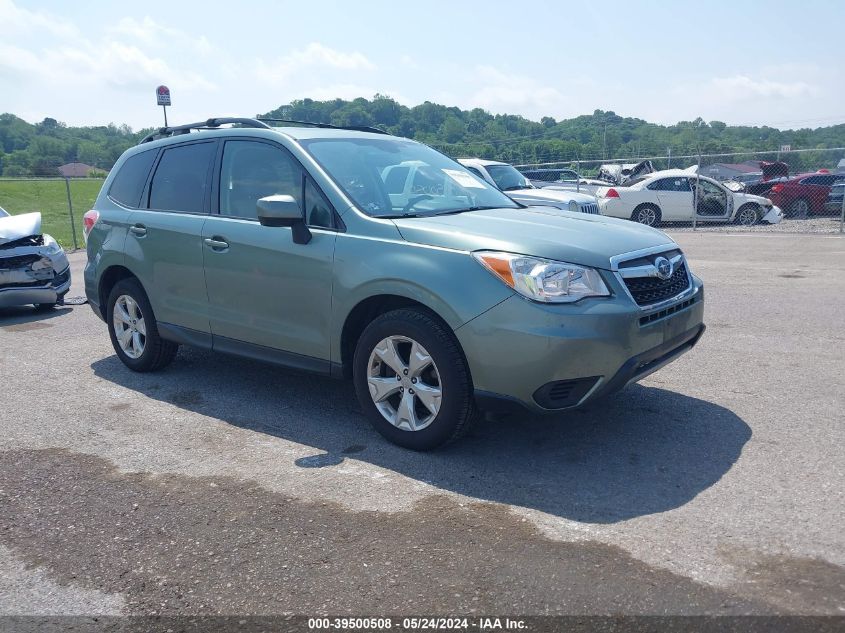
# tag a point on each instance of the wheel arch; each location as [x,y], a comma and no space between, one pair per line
[367,310]
[648,204]
[745,205]
[108,279]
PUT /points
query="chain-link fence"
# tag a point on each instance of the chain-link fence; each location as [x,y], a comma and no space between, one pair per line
[807,185]
[61,202]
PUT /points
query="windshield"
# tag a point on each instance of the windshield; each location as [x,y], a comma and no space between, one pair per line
[507,178]
[3,213]
[394,177]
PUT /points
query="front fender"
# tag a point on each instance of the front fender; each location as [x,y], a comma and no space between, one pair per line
[449,282]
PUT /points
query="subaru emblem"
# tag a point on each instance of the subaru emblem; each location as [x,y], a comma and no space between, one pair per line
[664,268]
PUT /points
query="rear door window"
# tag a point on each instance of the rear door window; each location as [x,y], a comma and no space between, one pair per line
[128,184]
[670,184]
[823,180]
[180,181]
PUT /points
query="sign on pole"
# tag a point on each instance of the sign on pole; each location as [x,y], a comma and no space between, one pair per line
[163,96]
[783,148]
[163,99]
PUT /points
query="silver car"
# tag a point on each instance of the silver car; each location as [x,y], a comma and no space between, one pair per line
[33,266]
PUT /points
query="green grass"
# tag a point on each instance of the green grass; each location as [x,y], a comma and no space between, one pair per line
[50,198]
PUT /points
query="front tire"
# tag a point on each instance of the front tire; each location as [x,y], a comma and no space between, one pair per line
[748,215]
[133,329]
[412,380]
[647,214]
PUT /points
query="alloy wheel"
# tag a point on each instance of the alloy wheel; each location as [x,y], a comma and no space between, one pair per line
[647,216]
[129,326]
[404,383]
[748,217]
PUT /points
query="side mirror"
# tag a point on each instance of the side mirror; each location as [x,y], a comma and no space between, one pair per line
[283,211]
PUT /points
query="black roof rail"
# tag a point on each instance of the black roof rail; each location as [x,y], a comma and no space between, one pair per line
[356,128]
[208,124]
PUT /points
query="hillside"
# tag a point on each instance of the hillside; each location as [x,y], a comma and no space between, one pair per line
[37,149]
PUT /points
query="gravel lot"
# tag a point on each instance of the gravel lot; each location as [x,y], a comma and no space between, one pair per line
[825,224]
[226,486]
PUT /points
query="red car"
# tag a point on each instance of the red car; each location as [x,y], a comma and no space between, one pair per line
[804,194]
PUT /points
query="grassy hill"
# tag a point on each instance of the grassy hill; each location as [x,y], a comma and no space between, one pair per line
[50,198]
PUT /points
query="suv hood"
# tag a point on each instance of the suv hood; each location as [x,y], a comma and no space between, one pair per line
[550,195]
[16,227]
[577,238]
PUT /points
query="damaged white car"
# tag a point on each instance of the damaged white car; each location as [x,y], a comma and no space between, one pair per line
[33,266]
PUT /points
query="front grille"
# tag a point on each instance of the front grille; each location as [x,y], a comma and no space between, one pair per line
[649,290]
[662,314]
[590,207]
[20,261]
[25,284]
[32,240]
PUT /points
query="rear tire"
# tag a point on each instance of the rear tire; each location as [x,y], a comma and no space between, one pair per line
[647,214]
[412,345]
[799,208]
[134,333]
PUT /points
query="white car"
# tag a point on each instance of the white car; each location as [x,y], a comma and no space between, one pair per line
[510,181]
[668,196]
[33,267]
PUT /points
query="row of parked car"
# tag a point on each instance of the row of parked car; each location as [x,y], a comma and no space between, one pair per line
[639,193]
[746,199]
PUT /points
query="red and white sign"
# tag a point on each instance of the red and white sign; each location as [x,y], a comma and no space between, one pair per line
[163,96]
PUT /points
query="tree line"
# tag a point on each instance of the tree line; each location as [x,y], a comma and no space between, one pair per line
[38,149]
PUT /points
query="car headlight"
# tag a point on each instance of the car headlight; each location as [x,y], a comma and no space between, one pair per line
[573,206]
[543,280]
[51,246]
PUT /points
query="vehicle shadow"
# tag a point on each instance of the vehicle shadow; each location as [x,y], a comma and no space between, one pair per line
[20,315]
[642,451]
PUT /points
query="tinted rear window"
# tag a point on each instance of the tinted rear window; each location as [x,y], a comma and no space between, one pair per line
[181,178]
[128,184]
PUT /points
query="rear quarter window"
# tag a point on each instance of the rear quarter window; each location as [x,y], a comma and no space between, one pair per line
[128,184]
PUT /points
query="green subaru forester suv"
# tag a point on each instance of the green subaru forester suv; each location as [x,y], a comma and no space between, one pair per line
[357,254]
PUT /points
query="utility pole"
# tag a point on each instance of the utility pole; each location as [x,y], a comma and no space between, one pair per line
[604,142]
[697,189]
[668,158]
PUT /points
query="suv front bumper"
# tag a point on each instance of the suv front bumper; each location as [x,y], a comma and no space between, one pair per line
[51,292]
[549,358]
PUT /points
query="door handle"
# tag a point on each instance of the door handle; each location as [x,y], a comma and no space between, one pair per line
[138,229]
[216,244]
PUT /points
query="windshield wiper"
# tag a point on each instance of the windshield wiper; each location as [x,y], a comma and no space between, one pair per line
[397,216]
[465,209]
[430,214]
[515,187]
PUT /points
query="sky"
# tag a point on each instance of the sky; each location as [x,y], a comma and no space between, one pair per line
[749,62]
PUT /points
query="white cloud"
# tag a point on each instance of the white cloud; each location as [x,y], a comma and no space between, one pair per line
[315,55]
[741,87]
[45,53]
[19,22]
[150,33]
[767,95]
[498,91]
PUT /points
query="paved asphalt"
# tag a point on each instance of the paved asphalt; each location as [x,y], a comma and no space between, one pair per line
[225,486]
